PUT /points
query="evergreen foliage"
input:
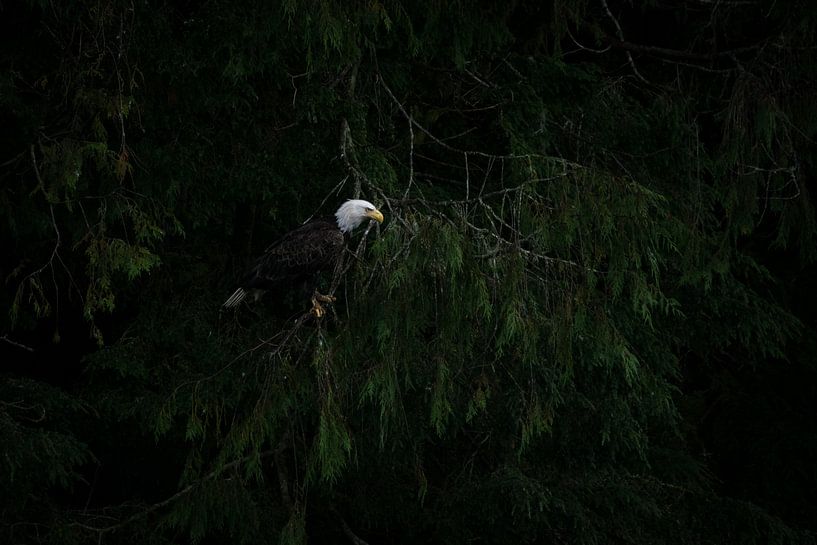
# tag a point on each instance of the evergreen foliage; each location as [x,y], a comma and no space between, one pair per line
[587,317]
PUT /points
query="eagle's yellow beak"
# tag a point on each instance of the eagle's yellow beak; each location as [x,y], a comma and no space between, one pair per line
[376,215]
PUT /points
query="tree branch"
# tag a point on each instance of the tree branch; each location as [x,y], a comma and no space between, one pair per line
[620,35]
[353,537]
[15,343]
[183,492]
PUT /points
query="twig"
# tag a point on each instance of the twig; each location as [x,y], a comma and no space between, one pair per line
[583,47]
[620,35]
[353,537]
[283,481]
[183,492]
[335,190]
[411,160]
[53,218]
[347,148]
[449,147]
[277,349]
[15,343]
[50,261]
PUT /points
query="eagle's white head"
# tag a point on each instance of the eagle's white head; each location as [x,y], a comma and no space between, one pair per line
[354,212]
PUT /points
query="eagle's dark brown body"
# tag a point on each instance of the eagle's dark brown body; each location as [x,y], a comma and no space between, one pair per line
[301,253]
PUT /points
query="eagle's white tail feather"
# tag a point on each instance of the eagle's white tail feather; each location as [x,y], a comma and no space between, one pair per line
[237,296]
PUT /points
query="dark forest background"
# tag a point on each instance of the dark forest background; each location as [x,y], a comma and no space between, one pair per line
[588,317]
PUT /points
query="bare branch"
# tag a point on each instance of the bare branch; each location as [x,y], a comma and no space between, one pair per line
[353,537]
[620,35]
[347,149]
[411,160]
[181,493]
[15,343]
[449,147]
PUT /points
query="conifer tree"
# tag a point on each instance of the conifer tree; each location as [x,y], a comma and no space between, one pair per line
[598,222]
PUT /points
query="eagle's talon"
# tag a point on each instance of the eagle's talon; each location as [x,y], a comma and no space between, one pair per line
[317,309]
[324,298]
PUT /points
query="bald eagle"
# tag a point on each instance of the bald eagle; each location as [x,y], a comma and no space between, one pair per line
[303,252]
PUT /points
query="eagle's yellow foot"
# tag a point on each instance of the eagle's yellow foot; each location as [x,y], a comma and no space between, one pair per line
[317,309]
[324,298]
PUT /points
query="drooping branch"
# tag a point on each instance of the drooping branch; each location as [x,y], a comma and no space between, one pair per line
[347,530]
[101,530]
[15,343]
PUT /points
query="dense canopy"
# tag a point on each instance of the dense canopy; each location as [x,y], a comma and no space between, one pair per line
[587,318]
